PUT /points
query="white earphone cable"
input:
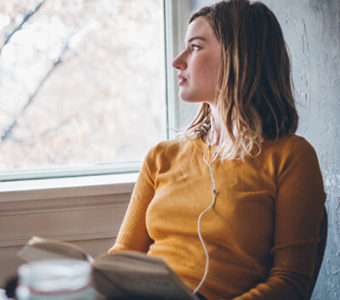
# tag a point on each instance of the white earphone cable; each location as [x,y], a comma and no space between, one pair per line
[201,215]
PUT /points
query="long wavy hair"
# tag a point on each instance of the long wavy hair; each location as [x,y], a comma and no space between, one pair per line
[255,99]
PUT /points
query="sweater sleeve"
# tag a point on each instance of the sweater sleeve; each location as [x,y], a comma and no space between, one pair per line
[133,233]
[298,213]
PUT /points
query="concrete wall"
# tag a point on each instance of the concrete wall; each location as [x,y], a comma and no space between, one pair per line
[312,32]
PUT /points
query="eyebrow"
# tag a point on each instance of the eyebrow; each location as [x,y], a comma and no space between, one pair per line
[197,38]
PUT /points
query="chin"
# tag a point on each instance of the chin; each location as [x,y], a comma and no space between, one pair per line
[196,97]
[189,98]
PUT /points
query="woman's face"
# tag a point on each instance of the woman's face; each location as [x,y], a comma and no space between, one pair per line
[199,63]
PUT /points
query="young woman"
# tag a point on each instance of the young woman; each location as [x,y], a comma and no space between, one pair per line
[235,206]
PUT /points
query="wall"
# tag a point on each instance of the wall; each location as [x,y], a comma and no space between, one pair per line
[312,32]
[88,215]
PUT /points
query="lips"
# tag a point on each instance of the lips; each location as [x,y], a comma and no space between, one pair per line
[181,80]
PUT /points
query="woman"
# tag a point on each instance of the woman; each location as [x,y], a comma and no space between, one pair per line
[235,206]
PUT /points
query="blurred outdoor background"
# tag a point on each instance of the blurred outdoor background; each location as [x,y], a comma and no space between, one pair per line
[81,81]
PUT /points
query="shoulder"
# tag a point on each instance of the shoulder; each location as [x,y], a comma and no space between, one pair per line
[296,146]
[169,151]
[168,144]
[169,147]
[293,152]
[290,145]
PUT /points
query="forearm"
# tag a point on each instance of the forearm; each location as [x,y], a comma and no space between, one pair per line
[281,285]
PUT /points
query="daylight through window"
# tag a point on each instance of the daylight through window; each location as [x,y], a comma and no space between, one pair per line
[81,81]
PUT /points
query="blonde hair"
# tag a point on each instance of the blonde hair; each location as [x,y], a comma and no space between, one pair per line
[255,100]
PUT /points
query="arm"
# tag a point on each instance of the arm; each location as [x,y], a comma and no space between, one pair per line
[298,212]
[133,234]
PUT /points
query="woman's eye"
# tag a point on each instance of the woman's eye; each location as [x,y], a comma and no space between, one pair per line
[195,47]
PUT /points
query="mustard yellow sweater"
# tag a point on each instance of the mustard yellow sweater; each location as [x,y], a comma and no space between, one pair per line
[261,233]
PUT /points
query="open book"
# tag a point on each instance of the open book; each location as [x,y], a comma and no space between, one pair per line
[123,274]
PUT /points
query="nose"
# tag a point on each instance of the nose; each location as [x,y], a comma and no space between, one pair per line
[179,62]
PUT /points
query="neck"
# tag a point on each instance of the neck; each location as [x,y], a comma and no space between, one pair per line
[213,136]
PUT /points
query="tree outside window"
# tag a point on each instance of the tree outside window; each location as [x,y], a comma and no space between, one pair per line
[81,81]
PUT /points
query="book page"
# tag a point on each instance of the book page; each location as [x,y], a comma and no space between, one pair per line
[137,274]
[40,248]
[121,274]
[105,286]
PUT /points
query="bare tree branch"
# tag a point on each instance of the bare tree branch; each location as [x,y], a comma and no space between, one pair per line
[7,133]
[19,27]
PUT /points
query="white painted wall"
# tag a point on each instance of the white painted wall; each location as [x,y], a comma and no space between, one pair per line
[87,213]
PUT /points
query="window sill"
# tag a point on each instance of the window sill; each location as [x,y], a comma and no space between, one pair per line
[85,210]
[66,209]
[82,186]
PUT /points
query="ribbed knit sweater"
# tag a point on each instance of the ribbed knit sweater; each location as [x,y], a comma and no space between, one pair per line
[261,234]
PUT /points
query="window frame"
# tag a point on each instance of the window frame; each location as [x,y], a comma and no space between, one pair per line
[45,182]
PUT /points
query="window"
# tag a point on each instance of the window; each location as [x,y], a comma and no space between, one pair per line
[83,205]
[81,83]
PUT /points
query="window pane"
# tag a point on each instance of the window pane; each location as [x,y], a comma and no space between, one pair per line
[81,81]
